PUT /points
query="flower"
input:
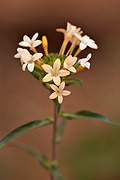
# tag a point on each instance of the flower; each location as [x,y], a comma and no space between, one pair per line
[69,62]
[71,29]
[84,61]
[86,41]
[59,92]
[54,73]
[28,59]
[27,42]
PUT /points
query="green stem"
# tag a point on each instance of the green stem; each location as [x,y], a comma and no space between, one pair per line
[54,137]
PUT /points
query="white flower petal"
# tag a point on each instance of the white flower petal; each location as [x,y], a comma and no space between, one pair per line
[62,85]
[24,66]
[56,80]
[93,45]
[31,67]
[53,95]
[26,39]
[83,46]
[47,68]
[89,56]
[56,65]
[19,50]
[53,87]
[65,65]
[36,43]
[37,56]
[47,78]
[25,44]
[17,55]
[72,69]
[66,93]
[35,36]
[85,38]
[87,65]
[60,99]
[26,56]
[63,73]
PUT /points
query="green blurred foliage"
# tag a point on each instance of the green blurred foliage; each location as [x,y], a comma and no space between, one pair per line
[97,157]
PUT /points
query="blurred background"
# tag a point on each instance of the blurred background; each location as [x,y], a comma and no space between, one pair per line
[89,150]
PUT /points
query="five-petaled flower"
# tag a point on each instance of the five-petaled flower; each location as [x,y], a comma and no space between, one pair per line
[69,62]
[59,92]
[55,72]
[86,41]
[84,61]
[28,59]
[27,42]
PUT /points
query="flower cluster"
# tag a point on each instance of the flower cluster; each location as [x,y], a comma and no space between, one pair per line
[54,69]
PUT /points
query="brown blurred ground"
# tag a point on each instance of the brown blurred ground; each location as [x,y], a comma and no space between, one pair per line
[24,99]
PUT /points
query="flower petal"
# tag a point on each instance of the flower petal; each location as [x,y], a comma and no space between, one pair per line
[92,45]
[36,43]
[37,56]
[72,69]
[62,85]
[65,65]
[19,50]
[66,93]
[25,55]
[87,65]
[53,95]
[24,66]
[63,73]
[31,67]
[60,99]
[17,55]
[47,78]
[89,56]
[83,46]
[56,65]
[56,80]
[47,68]
[35,36]
[26,39]
[53,87]
[25,44]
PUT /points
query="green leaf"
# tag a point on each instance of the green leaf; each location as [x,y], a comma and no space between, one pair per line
[69,82]
[56,171]
[42,159]
[60,130]
[86,115]
[19,131]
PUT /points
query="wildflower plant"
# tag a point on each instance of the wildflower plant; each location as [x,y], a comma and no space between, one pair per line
[54,71]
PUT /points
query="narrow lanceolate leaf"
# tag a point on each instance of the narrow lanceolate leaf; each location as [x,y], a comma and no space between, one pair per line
[56,171]
[19,131]
[42,159]
[60,130]
[69,82]
[86,115]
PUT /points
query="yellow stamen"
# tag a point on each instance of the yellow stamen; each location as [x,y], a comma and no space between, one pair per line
[45,44]
[77,52]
